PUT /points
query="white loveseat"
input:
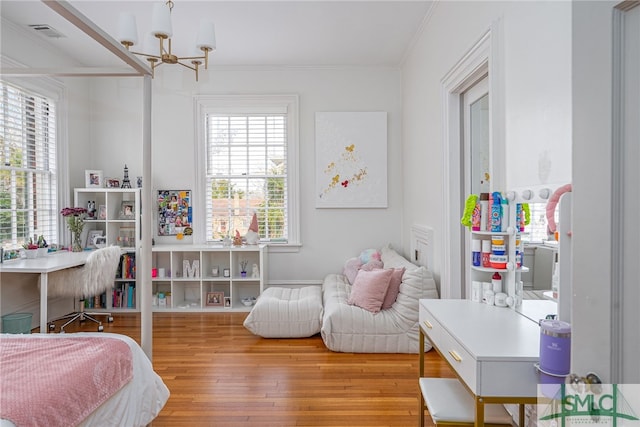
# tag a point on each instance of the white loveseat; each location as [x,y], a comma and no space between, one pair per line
[349,328]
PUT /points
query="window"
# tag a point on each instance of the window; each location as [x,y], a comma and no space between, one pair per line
[28,183]
[249,161]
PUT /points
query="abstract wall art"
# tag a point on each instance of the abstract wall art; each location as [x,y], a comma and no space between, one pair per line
[351,159]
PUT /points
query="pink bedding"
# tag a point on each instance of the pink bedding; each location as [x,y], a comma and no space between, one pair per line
[59,382]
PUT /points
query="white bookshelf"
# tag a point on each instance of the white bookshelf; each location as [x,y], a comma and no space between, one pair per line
[119,228]
[186,275]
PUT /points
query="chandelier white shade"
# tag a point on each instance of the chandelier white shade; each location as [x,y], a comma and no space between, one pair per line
[161,21]
[162,30]
[206,36]
[127,32]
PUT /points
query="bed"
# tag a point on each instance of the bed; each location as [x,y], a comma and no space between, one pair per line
[84,379]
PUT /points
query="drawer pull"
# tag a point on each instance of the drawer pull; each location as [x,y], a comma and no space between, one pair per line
[428,325]
[455,356]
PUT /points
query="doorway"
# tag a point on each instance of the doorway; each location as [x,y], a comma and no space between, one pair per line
[476,170]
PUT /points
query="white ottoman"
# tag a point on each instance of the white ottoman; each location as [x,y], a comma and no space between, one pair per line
[287,313]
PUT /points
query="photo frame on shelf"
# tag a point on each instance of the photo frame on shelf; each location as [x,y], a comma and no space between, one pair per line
[112,183]
[226,272]
[91,235]
[102,212]
[227,302]
[215,299]
[93,178]
[127,237]
[127,209]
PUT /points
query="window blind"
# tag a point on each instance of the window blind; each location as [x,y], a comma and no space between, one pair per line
[246,174]
[536,231]
[28,185]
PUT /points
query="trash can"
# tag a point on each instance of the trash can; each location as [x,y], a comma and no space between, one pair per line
[16,323]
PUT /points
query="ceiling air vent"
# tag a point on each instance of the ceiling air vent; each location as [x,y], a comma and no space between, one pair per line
[46,31]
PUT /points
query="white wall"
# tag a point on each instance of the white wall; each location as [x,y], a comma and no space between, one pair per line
[329,236]
[537,72]
[31,50]
[28,50]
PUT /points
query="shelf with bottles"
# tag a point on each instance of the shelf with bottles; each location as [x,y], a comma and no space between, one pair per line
[496,247]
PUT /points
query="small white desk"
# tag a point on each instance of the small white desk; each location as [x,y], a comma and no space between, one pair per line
[492,350]
[44,266]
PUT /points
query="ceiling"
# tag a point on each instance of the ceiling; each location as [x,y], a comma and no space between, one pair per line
[248,33]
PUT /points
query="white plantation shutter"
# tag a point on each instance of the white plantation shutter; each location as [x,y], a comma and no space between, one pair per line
[246,173]
[28,182]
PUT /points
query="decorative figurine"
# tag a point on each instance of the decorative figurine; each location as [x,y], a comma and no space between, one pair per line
[252,236]
[237,241]
[125,181]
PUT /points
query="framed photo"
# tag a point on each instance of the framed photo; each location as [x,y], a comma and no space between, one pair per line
[93,178]
[102,212]
[215,299]
[127,209]
[127,237]
[91,235]
[113,183]
[227,302]
[226,272]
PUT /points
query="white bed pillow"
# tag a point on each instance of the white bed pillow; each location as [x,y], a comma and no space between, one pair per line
[392,259]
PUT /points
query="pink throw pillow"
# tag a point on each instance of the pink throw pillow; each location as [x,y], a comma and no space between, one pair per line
[372,265]
[369,289]
[394,287]
[351,268]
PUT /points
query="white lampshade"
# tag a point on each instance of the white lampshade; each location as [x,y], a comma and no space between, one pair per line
[150,43]
[161,20]
[206,35]
[127,29]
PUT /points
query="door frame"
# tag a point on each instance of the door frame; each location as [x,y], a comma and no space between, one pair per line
[484,57]
[624,294]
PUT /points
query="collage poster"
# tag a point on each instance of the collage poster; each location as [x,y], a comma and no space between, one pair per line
[174,213]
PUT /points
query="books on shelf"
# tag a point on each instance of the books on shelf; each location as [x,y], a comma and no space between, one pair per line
[124,295]
[127,267]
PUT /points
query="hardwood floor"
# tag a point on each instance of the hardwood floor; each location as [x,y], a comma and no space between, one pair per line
[219,374]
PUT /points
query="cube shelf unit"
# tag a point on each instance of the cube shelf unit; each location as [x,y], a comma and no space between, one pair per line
[121,230]
[187,274]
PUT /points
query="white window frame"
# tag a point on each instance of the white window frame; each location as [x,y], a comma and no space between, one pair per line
[57,92]
[204,104]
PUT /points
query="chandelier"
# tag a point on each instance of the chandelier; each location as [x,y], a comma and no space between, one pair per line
[162,30]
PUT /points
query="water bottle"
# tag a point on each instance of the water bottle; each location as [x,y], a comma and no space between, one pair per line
[496,212]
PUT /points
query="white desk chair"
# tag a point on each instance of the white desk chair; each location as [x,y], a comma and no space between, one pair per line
[93,278]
